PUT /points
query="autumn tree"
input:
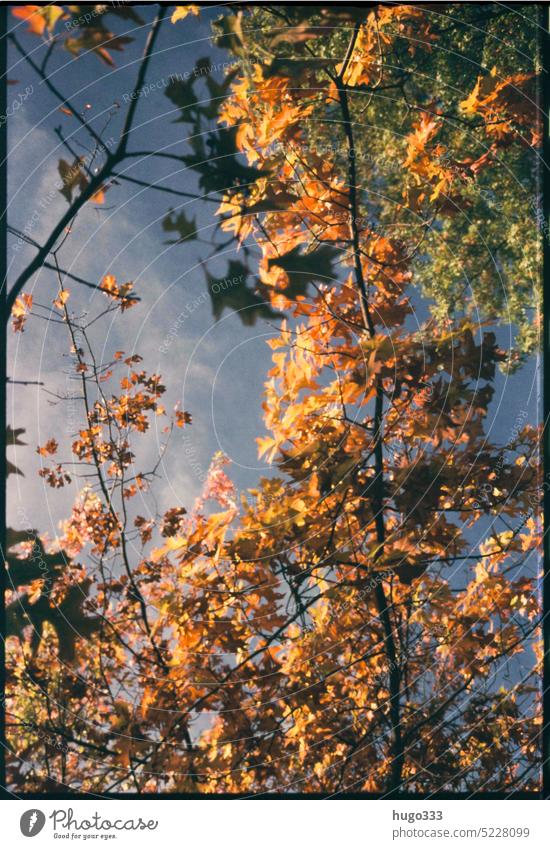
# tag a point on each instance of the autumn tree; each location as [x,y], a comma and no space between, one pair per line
[366,618]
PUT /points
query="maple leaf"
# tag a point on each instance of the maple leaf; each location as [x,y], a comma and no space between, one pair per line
[72,178]
[181,12]
[62,298]
[297,34]
[182,418]
[233,293]
[182,95]
[296,68]
[186,228]
[172,522]
[12,435]
[50,447]
[13,469]
[39,18]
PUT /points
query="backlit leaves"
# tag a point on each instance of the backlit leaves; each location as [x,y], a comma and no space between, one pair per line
[121,294]
[85,31]
[39,18]
[68,618]
[181,12]
[241,642]
[178,223]
[49,447]
[233,293]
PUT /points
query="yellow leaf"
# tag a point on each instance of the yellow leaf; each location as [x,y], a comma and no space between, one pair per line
[98,197]
[50,447]
[62,298]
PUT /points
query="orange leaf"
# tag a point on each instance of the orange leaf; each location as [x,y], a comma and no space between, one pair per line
[181,12]
[98,197]
[50,447]
[32,14]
